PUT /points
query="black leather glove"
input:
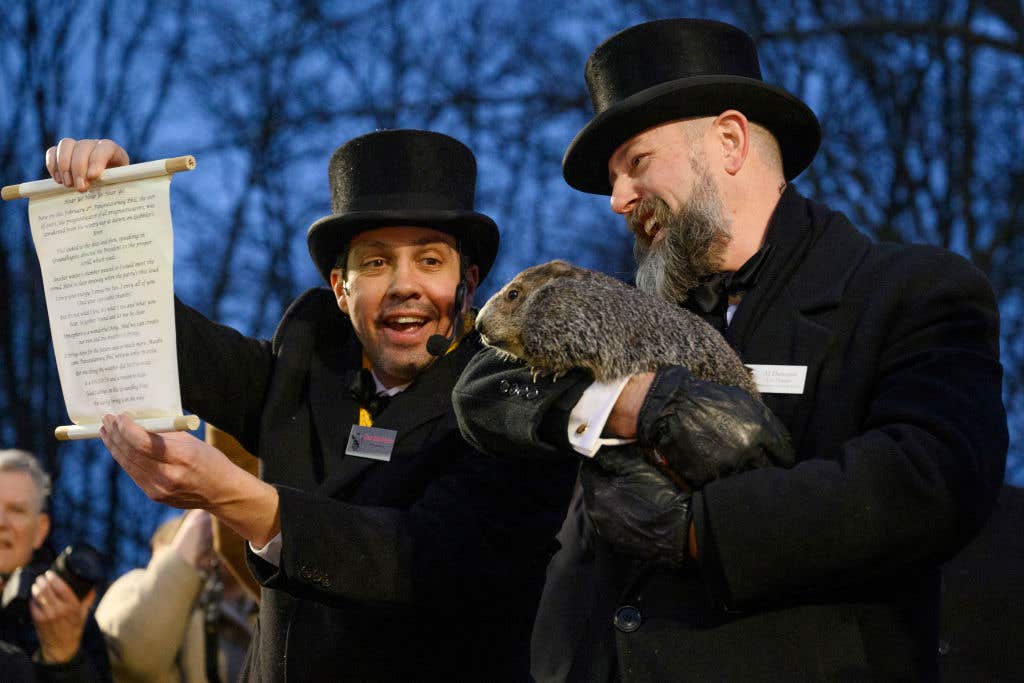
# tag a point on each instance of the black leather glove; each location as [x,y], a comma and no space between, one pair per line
[636,508]
[702,430]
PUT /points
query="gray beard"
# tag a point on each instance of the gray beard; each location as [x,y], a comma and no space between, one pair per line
[693,246]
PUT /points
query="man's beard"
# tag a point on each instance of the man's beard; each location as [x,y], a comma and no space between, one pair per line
[693,245]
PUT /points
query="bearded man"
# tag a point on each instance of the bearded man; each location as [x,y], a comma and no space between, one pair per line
[882,360]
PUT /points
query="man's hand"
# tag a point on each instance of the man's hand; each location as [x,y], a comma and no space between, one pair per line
[59,617]
[76,163]
[699,430]
[703,431]
[636,508]
[181,471]
[194,540]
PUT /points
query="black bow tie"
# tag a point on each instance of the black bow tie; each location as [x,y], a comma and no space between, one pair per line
[364,390]
[710,299]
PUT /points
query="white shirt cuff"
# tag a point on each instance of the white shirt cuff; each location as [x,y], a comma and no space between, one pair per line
[271,552]
[588,417]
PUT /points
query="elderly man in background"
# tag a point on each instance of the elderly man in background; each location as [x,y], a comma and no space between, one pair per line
[57,631]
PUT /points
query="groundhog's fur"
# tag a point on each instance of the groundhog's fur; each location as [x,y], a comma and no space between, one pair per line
[557,316]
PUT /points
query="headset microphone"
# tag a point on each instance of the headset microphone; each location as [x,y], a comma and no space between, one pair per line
[437,344]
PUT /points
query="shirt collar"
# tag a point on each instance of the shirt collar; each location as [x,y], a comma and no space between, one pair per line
[386,391]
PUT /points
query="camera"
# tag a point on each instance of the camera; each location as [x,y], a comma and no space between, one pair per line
[79,565]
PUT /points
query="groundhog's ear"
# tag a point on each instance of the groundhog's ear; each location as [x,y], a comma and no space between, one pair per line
[558,268]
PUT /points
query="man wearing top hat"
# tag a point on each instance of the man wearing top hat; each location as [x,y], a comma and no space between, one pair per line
[881,360]
[387,547]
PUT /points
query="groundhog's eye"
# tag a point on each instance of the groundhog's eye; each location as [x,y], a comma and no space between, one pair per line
[512,294]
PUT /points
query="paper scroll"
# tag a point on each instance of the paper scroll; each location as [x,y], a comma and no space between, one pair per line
[106,258]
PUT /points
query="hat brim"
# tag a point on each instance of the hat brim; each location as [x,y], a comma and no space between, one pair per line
[477,233]
[794,125]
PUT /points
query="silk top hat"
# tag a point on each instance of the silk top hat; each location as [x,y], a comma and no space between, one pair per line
[402,177]
[673,69]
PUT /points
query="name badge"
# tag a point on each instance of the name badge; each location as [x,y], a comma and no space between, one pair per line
[371,442]
[779,379]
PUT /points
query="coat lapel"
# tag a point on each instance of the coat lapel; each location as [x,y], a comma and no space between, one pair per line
[334,410]
[411,413]
[788,317]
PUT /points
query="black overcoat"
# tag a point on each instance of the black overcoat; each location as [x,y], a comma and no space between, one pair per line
[828,570]
[426,567]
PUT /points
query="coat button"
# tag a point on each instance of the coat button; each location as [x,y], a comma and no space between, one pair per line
[503,386]
[532,393]
[516,389]
[627,619]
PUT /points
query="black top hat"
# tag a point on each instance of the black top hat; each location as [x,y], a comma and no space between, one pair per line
[673,69]
[402,177]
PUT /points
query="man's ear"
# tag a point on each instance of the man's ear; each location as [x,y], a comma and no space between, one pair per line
[42,530]
[340,289]
[472,280]
[733,135]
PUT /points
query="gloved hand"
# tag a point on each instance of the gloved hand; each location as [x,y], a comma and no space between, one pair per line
[703,430]
[636,508]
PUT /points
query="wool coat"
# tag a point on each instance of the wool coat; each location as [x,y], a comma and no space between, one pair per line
[828,570]
[153,622]
[425,567]
[150,622]
[983,599]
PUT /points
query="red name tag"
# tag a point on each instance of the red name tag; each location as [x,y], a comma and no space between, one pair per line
[371,442]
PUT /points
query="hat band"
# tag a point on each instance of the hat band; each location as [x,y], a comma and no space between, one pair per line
[401,201]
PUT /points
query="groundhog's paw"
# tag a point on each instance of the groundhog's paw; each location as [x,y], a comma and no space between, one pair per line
[539,373]
[505,355]
[555,375]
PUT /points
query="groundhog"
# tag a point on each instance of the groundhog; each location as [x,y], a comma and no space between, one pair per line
[557,316]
